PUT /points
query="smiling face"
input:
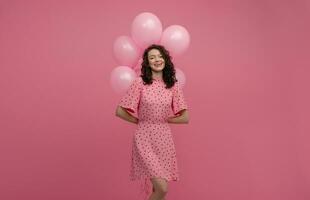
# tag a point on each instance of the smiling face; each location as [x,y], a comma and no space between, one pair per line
[156,60]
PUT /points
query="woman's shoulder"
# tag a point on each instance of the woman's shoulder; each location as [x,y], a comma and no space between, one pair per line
[176,85]
[138,81]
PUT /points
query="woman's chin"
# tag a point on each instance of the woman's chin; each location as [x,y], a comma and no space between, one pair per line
[159,69]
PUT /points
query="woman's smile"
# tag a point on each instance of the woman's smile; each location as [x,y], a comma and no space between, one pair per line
[158,64]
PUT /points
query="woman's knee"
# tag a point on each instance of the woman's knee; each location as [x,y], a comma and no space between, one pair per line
[163,190]
[160,186]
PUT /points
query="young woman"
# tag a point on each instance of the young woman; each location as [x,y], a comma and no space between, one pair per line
[157,100]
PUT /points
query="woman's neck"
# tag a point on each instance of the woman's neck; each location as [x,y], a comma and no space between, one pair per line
[157,75]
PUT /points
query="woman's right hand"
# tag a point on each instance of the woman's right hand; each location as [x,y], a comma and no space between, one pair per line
[125,115]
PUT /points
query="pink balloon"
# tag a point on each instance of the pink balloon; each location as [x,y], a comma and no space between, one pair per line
[176,39]
[146,29]
[126,52]
[138,67]
[180,76]
[121,78]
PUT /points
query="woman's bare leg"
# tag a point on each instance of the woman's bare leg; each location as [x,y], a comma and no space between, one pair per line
[160,189]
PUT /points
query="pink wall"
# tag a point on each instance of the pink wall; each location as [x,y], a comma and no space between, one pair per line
[247,87]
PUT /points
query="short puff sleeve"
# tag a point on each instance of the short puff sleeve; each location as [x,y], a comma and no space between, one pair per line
[130,101]
[178,100]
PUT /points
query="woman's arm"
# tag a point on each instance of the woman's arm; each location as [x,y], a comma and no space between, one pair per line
[182,118]
[123,114]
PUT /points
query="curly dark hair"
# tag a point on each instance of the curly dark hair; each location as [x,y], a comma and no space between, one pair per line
[168,71]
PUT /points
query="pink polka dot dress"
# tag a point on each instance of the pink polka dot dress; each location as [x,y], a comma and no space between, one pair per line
[153,149]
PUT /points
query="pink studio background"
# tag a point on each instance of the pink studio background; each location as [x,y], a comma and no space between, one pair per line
[247,72]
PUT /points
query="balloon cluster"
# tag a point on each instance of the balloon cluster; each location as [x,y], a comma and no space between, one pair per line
[146,29]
